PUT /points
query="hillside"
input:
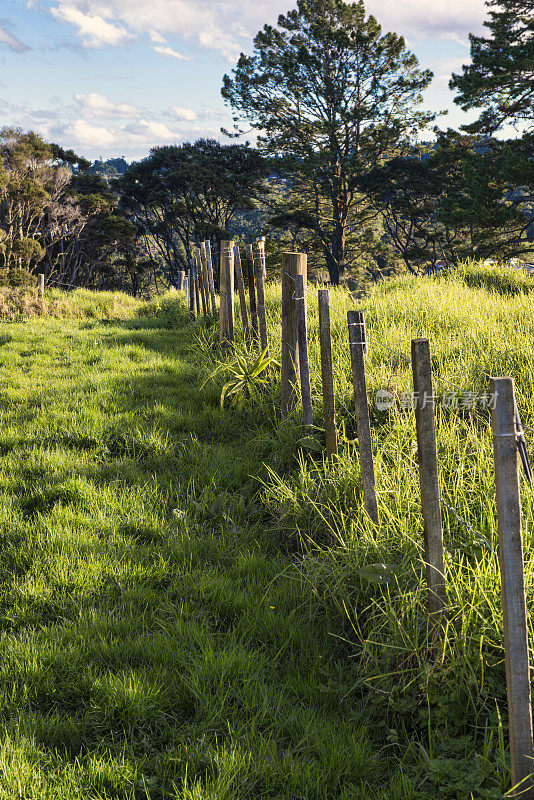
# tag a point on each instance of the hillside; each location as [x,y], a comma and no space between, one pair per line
[191,606]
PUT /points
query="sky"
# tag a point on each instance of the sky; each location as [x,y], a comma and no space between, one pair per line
[112,78]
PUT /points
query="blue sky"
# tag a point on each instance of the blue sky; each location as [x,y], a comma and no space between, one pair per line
[115,78]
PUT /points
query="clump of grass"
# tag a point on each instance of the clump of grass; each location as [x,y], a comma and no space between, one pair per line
[495,278]
[23,303]
[168,310]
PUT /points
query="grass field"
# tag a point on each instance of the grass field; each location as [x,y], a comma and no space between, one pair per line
[189,603]
[156,641]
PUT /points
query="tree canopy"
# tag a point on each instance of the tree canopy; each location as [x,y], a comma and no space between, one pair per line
[331,97]
[500,78]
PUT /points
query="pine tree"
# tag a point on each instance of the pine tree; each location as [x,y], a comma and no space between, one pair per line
[500,79]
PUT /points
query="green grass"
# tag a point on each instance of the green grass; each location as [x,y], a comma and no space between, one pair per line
[191,606]
[157,638]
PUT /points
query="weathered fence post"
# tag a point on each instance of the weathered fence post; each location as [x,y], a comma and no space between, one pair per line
[41,285]
[327,374]
[252,292]
[223,306]
[260,289]
[361,406]
[202,284]
[260,246]
[513,586]
[197,292]
[192,290]
[205,251]
[302,340]
[185,285]
[180,280]
[428,474]
[242,296]
[226,332]
[293,264]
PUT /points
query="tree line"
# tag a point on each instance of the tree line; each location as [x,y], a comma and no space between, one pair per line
[338,169]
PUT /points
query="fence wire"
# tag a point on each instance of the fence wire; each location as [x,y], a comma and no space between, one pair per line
[478,535]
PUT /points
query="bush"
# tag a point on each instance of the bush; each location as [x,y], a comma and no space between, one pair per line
[17,277]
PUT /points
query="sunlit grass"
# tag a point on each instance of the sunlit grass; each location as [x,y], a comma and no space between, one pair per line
[156,638]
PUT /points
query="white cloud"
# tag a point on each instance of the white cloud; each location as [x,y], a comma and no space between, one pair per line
[153,132]
[94,105]
[168,51]
[227,26]
[184,113]
[93,29]
[12,42]
[85,134]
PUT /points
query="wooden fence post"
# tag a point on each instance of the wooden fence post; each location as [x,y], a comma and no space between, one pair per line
[293,264]
[428,474]
[192,291]
[260,289]
[302,339]
[226,332]
[361,405]
[260,246]
[223,306]
[327,374]
[360,319]
[252,292]
[180,280]
[185,285]
[41,285]
[206,254]
[197,291]
[202,285]
[242,296]
[513,586]
[205,276]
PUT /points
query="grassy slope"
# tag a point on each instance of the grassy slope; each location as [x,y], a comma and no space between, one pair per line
[155,641]
[452,698]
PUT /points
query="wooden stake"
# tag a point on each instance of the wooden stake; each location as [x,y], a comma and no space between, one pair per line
[327,374]
[223,308]
[205,277]
[252,292]
[202,285]
[513,586]
[197,292]
[361,406]
[41,285]
[260,246]
[293,264]
[302,338]
[226,331]
[242,296]
[180,280]
[192,292]
[260,289]
[428,474]
[206,255]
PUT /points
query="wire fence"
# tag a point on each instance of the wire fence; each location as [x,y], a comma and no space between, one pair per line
[477,534]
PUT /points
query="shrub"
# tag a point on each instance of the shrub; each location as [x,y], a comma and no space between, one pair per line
[17,277]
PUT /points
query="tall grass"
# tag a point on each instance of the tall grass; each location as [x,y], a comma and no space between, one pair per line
[448,691]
